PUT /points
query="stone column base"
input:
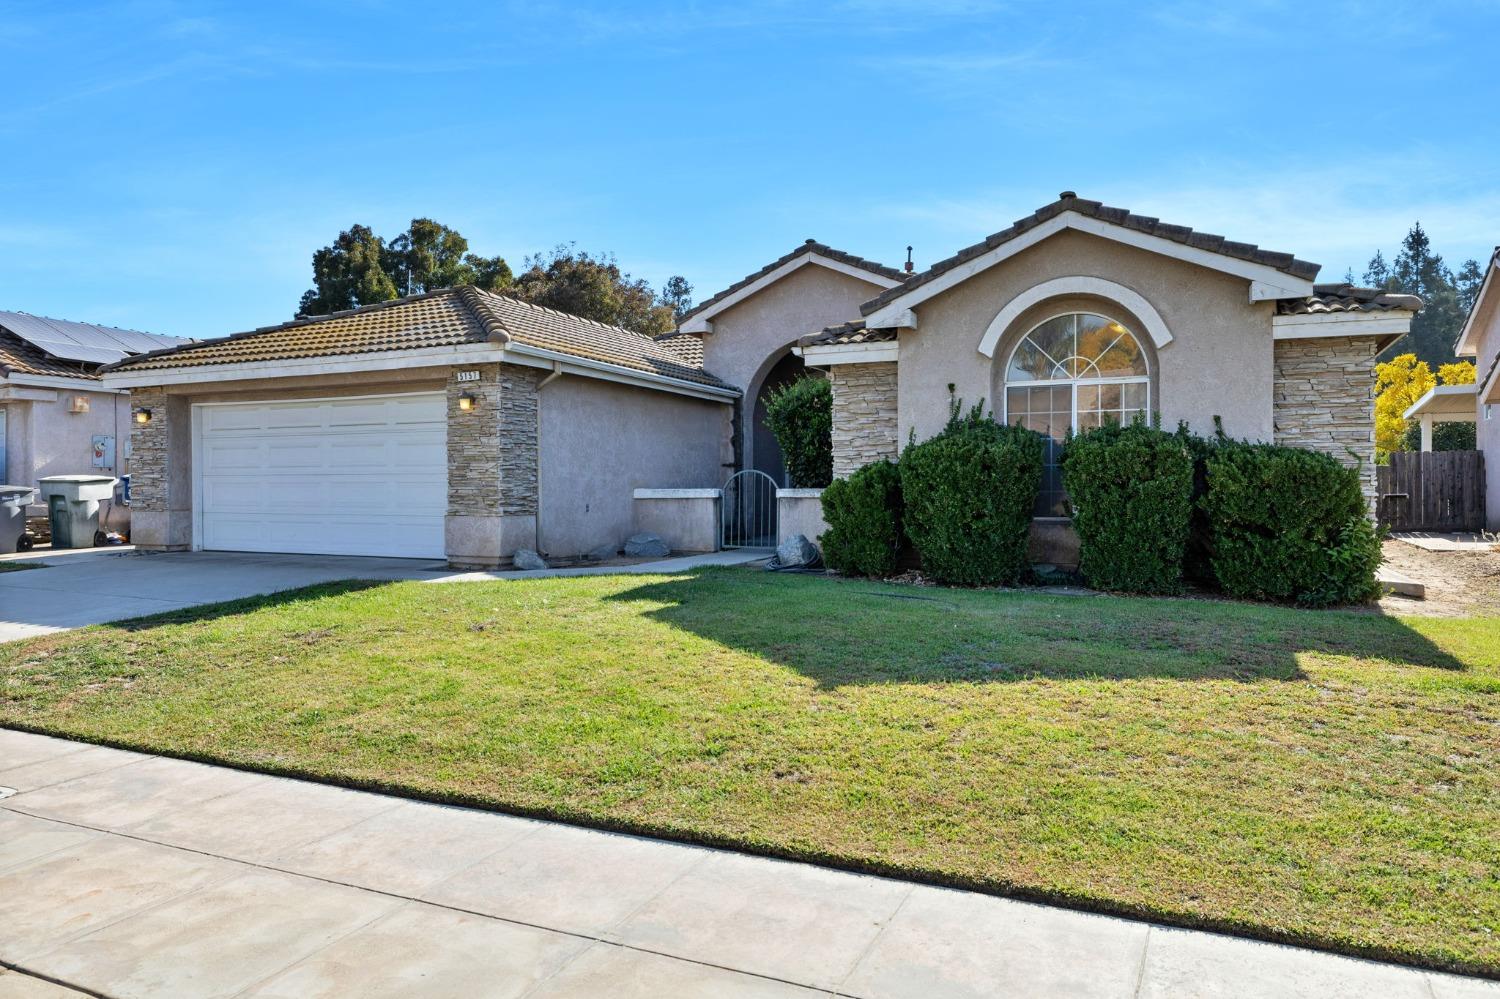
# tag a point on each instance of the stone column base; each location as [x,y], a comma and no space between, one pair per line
[161,530]
[486,542]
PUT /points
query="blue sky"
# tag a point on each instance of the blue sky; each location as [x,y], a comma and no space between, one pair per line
[172,167]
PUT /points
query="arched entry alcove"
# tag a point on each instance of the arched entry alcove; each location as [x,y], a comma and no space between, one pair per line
[762,453]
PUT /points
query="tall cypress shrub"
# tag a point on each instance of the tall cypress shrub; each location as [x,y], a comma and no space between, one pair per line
[968,495]
[800,415]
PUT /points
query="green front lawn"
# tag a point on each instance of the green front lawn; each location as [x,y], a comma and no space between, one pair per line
[1321,777]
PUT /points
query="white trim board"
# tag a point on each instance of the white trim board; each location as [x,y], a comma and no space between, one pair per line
[1266,283]
[61,381]
[702,322]
[1468,337]
[850,353]
[1321,324]
[1077,284]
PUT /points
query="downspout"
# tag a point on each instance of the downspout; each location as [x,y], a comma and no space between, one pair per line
[552,376]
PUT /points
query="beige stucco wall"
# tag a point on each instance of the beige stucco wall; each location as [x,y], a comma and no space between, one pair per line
[750,336]
[601,441]
[42,438]
[1488,430]
[1218,363]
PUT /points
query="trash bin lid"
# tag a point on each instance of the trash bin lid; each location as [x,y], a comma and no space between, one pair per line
[87,479]
[10,492]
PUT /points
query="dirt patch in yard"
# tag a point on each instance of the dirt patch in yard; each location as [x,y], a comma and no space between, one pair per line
[1459,583]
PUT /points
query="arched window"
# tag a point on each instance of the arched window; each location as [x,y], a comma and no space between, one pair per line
[1077,370]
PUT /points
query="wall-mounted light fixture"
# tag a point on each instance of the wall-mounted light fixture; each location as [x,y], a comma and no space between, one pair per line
[466,402]
[141,415]
[78,404]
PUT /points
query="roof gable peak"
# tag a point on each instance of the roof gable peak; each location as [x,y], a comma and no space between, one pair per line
[1273,274]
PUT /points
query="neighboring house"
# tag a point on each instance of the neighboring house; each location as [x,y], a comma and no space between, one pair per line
[469,425]
[455,423]
[1480,340]
[56,416]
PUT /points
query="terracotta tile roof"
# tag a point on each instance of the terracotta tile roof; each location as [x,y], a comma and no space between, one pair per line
[847,333]
[444,318]
[1070,202]
[688,346]
[810,246]
[16,355]
[1327,298]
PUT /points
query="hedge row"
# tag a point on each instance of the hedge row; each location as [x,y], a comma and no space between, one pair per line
[1151,508]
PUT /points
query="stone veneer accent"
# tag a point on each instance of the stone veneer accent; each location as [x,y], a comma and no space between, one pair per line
[148,452]
[864,414]
[492,448]
[1325,401]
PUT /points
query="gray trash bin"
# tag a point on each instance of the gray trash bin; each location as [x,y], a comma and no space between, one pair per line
[73,507]
[13,503]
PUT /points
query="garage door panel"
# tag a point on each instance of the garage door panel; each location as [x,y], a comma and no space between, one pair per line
[231,456]
[337,477]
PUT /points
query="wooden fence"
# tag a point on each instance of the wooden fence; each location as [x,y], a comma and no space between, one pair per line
[1431,491]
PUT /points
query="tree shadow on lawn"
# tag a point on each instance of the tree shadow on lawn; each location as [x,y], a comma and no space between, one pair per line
[246,605]
[854,632]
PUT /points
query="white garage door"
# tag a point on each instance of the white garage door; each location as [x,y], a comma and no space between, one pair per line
[361,476]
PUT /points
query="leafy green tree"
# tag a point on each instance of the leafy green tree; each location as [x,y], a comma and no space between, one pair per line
[1418,270]
[348,273]
[676,295]
[1469,279]
[594,287]
[429,255]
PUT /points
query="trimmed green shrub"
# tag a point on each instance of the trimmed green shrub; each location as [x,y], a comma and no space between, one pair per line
[864,521]
[800,414]
[1289,524]
[1131,489]
[968,496]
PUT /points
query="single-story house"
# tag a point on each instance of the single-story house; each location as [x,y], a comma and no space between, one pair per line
[1480,339]
[56,415]
[469,425]
[452,424]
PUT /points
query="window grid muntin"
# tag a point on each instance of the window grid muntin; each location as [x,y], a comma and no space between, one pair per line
[1052,499]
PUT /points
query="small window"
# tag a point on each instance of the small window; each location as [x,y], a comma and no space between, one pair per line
[1074,371]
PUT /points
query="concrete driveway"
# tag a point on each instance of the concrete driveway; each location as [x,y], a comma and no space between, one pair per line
[127,875]
[96,585]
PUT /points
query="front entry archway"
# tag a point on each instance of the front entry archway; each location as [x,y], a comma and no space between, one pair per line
[763,453]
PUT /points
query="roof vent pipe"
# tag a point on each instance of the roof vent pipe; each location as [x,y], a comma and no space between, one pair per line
[909,265]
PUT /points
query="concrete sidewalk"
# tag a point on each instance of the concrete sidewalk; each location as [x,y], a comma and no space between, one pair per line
[98,585]
[129,875]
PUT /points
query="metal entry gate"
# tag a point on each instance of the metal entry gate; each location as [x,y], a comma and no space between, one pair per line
[748,519]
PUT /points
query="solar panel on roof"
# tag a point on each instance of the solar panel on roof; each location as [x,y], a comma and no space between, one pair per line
[86,342]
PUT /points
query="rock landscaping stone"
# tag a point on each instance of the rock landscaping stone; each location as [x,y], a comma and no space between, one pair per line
[646,545]
[796,551]
[527,559]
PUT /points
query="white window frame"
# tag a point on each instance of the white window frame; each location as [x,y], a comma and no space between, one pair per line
[1006,384]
